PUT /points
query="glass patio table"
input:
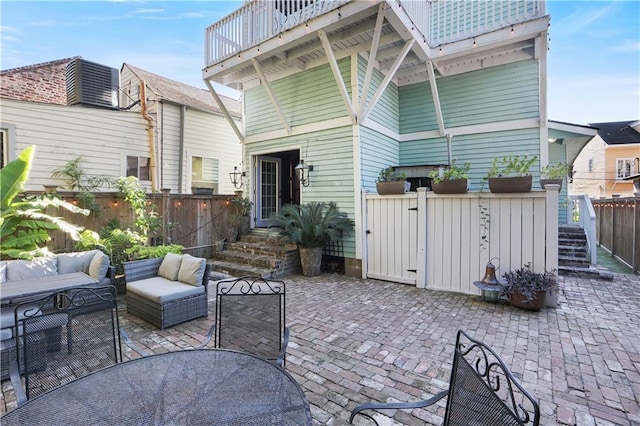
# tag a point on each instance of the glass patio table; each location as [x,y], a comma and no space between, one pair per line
[207,386]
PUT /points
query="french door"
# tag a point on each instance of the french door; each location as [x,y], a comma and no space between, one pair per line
[268,170]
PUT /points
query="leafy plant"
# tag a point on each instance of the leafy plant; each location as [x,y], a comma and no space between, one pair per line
[117,243]
[526,282]
[313,224]
[388,174]
[554,171]
[511,166]
[76,179]
[144,252]
[453,172]
[240,213]
[148,223]
[24,224]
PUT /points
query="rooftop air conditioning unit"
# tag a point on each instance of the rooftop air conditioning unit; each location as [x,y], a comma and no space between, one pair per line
[89,83]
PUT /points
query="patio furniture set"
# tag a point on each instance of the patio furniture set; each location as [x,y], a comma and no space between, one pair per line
[77,327]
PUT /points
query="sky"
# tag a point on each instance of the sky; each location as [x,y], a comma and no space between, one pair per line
[593,59]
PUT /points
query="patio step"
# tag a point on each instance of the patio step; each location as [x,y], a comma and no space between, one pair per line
[258,253]
[573,253]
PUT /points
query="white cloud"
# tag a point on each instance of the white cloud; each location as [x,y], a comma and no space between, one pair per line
[144,11]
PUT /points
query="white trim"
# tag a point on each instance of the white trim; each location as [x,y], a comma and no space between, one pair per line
[375,41]
[272,96]
[224,110]
[621,146]
[11,141]
[436,98]
[190,155]
[300,130]
[333,63]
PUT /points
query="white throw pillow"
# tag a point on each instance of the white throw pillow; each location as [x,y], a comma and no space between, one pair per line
[170,266]
[192,270]
[99,266]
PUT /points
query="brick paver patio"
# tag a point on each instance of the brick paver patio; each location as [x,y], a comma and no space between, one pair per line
[356,340]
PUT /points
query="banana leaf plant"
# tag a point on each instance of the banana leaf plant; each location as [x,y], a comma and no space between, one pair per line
[24,223]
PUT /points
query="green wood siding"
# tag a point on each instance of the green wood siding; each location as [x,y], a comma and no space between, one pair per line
[479,150]
[387,109]
[376,152]
[503,93]
[558,153]
[305,97]
[331,154]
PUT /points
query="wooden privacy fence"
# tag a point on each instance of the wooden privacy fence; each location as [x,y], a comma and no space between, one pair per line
[618,228]
[197,222]
[436,241]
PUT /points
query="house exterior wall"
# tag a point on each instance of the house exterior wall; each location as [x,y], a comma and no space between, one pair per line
[61,133]
[612,153]
[168,149]
[44,83]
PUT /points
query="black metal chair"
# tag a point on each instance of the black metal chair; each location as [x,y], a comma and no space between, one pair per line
[250,317]
[482,391]
[85,323]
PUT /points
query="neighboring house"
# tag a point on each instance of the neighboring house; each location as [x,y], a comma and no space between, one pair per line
[603,165]
[350,87]
[70,108]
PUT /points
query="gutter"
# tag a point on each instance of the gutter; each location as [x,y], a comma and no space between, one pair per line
[152,150]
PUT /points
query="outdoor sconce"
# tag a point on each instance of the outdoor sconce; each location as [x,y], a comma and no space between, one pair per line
[236,177]
[302,171]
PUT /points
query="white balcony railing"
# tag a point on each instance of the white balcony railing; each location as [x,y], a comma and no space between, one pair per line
[439,21]
[258,21]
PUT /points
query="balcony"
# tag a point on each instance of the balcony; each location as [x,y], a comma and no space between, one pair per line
[283,35]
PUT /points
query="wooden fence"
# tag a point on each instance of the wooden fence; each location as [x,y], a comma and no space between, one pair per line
[197,222]
[618,228]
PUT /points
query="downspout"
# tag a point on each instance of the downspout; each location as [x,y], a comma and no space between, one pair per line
[183,113]
[152,150]
[449,154]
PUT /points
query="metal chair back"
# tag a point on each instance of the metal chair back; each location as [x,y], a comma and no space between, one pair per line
[66,335]
[250,317]
[483,390]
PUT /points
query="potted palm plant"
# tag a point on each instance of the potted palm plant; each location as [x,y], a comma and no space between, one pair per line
[553,174]
[450,180]
[391,182]
[527,289]
[511,174]
[311,226]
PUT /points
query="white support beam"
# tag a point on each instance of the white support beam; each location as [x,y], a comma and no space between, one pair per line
[224,110]
[387,79]
[272,96]
[336,74]
[375,42]
[436,97]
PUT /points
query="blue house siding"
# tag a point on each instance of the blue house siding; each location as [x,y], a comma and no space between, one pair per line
[305,97]
[377,151]
[387,109]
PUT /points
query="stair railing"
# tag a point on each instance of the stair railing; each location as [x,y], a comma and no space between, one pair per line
[585,216]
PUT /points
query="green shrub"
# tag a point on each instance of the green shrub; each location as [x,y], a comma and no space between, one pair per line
[146,252]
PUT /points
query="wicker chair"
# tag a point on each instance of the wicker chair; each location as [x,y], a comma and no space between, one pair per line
[482,391]
[165,310]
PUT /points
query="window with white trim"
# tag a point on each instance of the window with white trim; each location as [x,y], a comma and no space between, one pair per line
[205,172]
[139,167]
[624,166]
[4,146]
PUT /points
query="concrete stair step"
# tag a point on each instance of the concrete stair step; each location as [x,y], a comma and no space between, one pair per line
[586,272]
[572,251]
[243,258]
[572,261]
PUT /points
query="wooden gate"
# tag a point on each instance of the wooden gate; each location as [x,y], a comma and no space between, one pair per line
[391,229]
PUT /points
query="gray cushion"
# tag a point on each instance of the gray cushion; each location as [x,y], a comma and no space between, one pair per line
[7,318]
[192,270]
[170,266]
[69,263]
[3,271]
[18,270]
[162,290]
[99,265]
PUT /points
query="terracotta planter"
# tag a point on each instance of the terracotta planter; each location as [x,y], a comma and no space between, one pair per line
[311,260]
[544,182]
[520,301]
[509,185]
[394,187]
[455,186]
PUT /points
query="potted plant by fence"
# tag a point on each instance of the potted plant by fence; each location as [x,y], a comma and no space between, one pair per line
[527,289]
[553,174]
[311,226]
[450,180]
[241,212]
[511,174]
[392,182]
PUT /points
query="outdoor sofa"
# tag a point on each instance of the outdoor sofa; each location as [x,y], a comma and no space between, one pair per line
[93,263]
[169,290]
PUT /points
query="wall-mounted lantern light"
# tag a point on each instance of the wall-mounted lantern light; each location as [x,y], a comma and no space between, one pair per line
[236,177]
[302,171]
